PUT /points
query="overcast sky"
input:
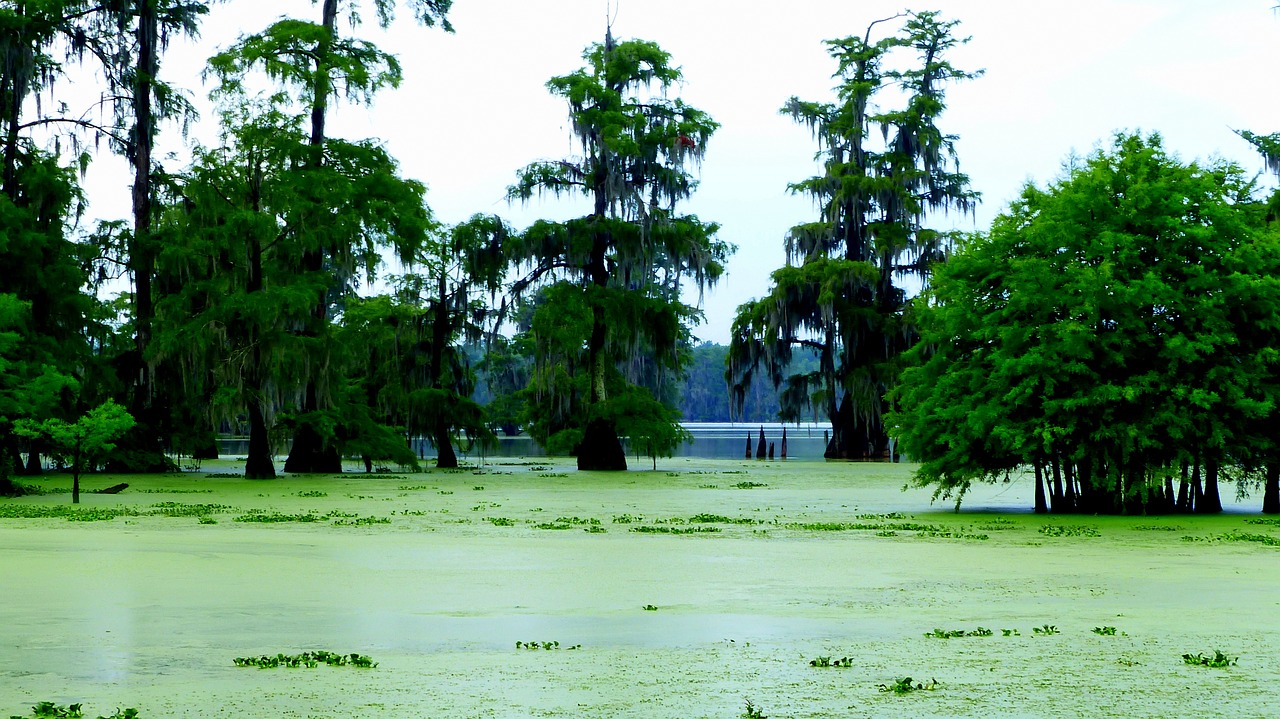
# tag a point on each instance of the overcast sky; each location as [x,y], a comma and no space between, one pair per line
[1059,77]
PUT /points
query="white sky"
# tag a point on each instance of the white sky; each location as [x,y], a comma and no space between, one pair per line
[1060,77]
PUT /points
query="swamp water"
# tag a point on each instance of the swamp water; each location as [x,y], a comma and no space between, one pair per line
[437,576]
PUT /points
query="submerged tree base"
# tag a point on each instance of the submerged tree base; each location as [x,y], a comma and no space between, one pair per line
[309,455]
[601,450]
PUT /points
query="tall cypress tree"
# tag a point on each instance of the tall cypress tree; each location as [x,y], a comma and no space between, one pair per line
[841,293]
[620,264]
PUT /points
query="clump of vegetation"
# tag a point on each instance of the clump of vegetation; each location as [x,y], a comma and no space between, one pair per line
[501,521]
[578,521]
[665,529]
[626,519]
[1105,631]
[1045,630]
[1266,539]
[545,646]
[1157,528]
[265,517]
[1217,661]
[1010,633]
[312,493]
[360,521]
[705,518]
[67,512]
[957,633]
[753,712]
[49,710]
[747,485]
[309,660]
[905,685]
[175,509]
[650,607]
[1063,530]
[828,662]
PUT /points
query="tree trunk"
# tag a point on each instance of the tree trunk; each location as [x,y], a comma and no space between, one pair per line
[761,448]
[1271,490]
[445,456]
[1042,506]
[601,450]
[34,467]
[142,447]
[855,437]
[1183,502]
[1069,494]
[1211,503]
[1197,494]
[308,454]
[259,464]
[1057,502]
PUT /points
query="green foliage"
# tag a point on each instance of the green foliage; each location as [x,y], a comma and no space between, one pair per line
[309,660]
[840,293]
[81,444]
[956,633]
[50,710]
[905,685]
[1217,661]
[1107,631]
[1120,324]
[828,662]
[545,646]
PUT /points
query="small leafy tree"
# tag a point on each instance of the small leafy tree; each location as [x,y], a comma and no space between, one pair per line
[82,444]
[841,294]
[623,264]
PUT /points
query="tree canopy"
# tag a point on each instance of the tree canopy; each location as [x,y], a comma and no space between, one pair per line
[1113,328]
